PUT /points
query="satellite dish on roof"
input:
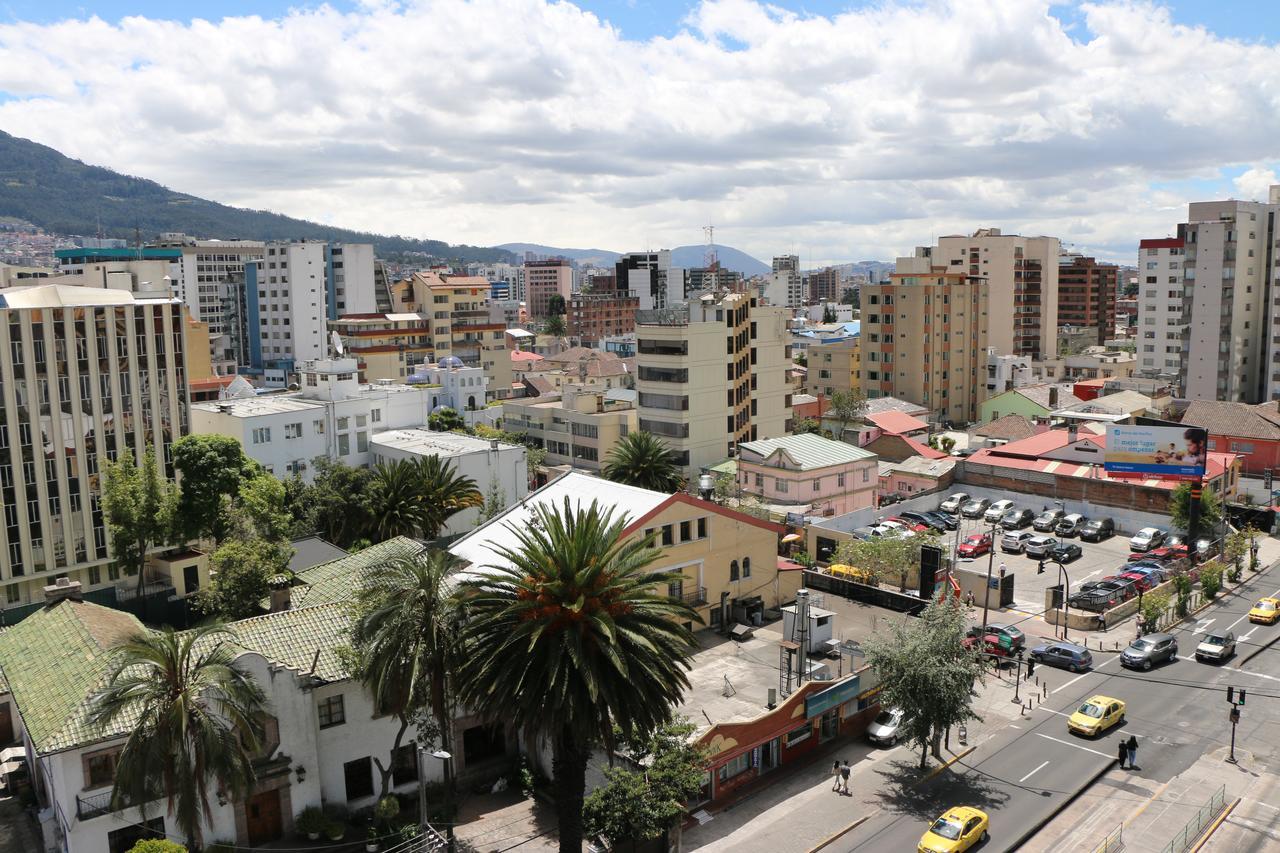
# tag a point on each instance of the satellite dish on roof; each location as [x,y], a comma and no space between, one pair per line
[337,342]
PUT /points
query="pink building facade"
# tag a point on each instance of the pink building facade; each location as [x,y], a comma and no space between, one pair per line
[830,477]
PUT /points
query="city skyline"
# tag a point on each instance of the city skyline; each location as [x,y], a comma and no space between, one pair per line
[578,125]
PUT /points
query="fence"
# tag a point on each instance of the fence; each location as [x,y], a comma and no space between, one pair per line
[1203,817]
[1113,843]
[1171,616]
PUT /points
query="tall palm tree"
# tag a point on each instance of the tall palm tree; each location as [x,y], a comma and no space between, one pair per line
[406,642]
[640,459]
[444,492]
[195,721]
[395,499]
[570,637]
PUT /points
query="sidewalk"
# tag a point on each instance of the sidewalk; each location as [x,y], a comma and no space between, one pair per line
[799,811]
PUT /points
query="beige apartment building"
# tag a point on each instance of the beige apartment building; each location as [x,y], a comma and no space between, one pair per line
[924,339]
[545,279]
[86,374]
[1022,276]
[713,373]
[833,367]
[576,429]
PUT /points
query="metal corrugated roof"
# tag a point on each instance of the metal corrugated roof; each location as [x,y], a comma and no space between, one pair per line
[809,451]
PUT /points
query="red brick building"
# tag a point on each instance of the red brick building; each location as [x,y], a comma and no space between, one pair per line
[1087,294]
[1253,432]
[592,316]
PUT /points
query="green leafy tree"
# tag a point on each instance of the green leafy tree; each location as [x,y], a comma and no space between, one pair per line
[1182,587]
[926,668]
[139,505]
[157,845]
[259,510]
[801,358]
[555,305]
[446,420]
[241,571]
[213,469]
[1180,508]
[1238,543]
[641,459]
[947,444]
[849,296]
[726,488]
[571,635]
[194,719]
[828,314]
[845,407]
[445,493]
[495,500]
[638,806]
[885,557]
[1153,607]
[1211,578]
[334,505]
[405,647]
[807,425]
[555,326]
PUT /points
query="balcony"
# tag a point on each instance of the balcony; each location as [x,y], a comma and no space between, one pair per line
[96,805]
[692,597]
[675,316]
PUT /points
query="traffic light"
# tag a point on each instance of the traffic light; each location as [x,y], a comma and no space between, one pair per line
[1040,568]
[1241,702]
[1231,694]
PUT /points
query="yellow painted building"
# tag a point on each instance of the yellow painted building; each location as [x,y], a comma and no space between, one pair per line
[833,367]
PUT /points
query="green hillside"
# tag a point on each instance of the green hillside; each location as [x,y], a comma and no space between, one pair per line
[65,196]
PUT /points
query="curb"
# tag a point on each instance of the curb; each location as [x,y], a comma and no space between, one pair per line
[1213,827]
[1259,650]
[826,842]
[935,771]
[1047,819]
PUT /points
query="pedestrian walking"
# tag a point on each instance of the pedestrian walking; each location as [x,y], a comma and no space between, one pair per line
[1102,621]
[844,777]
[1133,752]
[835,775]
[968,598]
[1122,753]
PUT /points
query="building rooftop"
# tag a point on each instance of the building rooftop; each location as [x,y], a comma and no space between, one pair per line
[431,443]
[894,404]
[1238,420]
[1007,428]
[922,466]
[1039,394]
[337,580]
[895,422]
[805,452]
[256,407]
[74,296]
[311,551]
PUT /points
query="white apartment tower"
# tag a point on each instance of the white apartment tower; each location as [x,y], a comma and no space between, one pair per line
[86,374]
[1161,319]
[785,285]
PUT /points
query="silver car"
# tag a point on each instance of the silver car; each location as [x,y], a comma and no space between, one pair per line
[1150,650]
[1039,546]
[886,727]
[1013,541]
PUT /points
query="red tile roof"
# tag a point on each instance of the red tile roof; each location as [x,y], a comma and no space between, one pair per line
[923,449]
[897,423]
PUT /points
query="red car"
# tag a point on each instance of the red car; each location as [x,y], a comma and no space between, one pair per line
[913,526]
[1167,554]
[991,645]
[975,545]
[1143,582]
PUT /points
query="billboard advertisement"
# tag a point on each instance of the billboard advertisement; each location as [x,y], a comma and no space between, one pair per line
[1159,452]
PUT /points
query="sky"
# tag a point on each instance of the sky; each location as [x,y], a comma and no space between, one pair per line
[837,131]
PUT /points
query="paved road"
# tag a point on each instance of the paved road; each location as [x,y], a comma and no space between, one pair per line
[1024,775]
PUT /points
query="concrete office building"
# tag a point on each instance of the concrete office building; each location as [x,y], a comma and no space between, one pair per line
[1161,318]
[713,373]
[650,277]
[1087,296]
[121,269]
[205,269]
[576,428]
[924,338]
[86,374]
[785,286]
[823,285]
[1021,274]
[545,279]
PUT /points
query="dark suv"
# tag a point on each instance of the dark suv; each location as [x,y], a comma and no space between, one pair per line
[1097,529]
[1147,651]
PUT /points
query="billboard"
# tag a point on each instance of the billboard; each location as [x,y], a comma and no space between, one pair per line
[1159,452]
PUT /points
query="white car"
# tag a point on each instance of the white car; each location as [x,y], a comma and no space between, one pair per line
[954,502]
[1147,538]
[997,510]
[1218,646]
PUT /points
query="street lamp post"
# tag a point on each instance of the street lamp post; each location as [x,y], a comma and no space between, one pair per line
[1066,592]
[986,592]
[446,758]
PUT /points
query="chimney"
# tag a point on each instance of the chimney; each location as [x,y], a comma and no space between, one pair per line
[1071,433]
[1053,396]
[281,594]
[62,588]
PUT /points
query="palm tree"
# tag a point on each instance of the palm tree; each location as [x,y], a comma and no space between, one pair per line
[640,459]
[571,637]
[395,499]
[406,642]
[194,720]
[444,492]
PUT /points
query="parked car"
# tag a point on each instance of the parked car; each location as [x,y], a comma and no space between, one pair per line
[1015,519]
[1147,538]
[910,523]
[923,518]
[1065,552]
[975,508]
[1121,590]
[1128,587]
[886,498]
[1165,555]
[1157,574]
[1070,525]
[1047,520]
[1064,655]
[996,511]
[975,546]
[1017,639]
[863,533]
[1218,646]
[886,727]
[954,502]
[1013,541]
[1094,600]
[853,573]
[948,522]
[993,645]
[1039,546]
[1144,582]
[1097,529]
[1146,652]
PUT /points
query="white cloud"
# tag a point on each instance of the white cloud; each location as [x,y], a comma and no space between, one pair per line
[853,136]
[1255,183]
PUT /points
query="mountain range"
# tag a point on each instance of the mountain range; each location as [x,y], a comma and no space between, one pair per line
[65,196]
[681,256]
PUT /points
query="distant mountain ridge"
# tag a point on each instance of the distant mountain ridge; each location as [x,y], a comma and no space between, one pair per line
[681,256]
[65,196]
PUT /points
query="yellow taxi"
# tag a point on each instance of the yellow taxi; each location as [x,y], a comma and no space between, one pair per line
[957,830]
[1096,715]
[840,570]
[1267,610]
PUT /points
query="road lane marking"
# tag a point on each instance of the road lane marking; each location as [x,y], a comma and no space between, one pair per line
[1083,674]
[1032,773]
[1246,615]
[1203,625]
[1076,745]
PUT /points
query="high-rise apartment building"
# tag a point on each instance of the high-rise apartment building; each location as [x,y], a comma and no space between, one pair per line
[823,285]
[1022,276]
[205,270]
[650,277]
[1161,319]
[1087,295]
[834,367]
[86,374]
[545,279]
[713,373]
[924,338]
[785,285]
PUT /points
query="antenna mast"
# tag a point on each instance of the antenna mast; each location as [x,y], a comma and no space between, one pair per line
[709,259]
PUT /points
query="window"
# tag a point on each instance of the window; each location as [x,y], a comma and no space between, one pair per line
[12,593]
[362,442]
[780,485]
[733,571]
[702,528]
[100,768]
[318,426]
[759,481]
[1241,447]
[361,420]
[735,766]
[866,474]
[375,415]
[332,711]
[344,423]
[293,430]
[344,444]
[262,435]
[746,567]
[358,776]
[798,735]
[668,534]
[404,765]
[686,531]
[840,479]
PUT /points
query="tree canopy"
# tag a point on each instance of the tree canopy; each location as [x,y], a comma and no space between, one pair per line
[641,459]
[213,468]
[1180,508]
[139,504]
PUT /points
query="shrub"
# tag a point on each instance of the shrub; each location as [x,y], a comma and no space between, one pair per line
[310,821]
[388,809]
[334,830]
[221,846]
[157,845]
[1211,578]
[1153,607]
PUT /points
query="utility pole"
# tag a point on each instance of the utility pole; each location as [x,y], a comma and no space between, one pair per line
[986,592]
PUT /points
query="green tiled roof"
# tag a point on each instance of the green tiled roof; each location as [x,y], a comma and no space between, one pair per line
[291,639]
[809,451]
[338,580]
[53,660]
